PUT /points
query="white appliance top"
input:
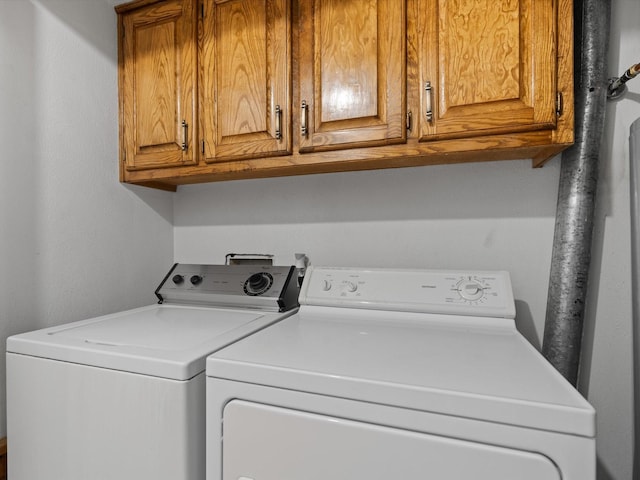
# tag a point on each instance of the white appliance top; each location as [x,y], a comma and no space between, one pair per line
[170,341]
[443,342]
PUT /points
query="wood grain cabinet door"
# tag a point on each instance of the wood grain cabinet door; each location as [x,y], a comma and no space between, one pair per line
[352,73]
[246,79]
[487,67]
[158,77]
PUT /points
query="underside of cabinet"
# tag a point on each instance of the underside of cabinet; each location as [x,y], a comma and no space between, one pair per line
[534,145]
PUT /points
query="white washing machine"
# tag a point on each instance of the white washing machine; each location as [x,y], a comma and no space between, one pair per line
[122,397]
[395,374]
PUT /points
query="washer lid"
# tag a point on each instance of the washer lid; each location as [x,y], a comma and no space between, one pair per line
[168,341]
[479,368]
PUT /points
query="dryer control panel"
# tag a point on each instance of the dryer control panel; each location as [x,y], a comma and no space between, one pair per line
[481,293]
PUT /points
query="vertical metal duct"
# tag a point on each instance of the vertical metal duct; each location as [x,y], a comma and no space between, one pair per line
[634,171]
[571,254]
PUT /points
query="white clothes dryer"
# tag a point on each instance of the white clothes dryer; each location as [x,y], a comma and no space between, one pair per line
[393,374]
[122,396]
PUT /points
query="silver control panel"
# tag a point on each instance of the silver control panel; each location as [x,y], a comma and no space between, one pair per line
[249,286]
[481,293]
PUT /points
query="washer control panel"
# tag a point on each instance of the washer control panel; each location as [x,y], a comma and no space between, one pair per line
[250,286]
[482,293]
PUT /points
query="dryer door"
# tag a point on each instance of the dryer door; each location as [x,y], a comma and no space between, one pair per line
[262,442]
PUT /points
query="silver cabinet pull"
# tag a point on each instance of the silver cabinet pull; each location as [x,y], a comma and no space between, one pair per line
[303,118]
[559,104]
[185,133]
[429,112]
[278,123]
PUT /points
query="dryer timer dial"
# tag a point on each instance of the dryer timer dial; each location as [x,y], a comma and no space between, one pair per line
[471,288]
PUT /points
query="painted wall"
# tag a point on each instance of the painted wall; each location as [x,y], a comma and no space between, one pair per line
[74,243]
[608,376]
[497,215]
[493,215]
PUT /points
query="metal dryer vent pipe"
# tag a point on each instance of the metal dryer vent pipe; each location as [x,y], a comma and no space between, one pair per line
[571,256]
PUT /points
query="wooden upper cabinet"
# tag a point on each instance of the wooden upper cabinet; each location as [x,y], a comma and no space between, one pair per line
[245,79]
[352,61]
[487,67]
[216,90]
[158,73]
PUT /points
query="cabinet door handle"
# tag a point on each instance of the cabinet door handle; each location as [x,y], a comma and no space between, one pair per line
[427,98]
[278,123]
[185,133]
[304,109]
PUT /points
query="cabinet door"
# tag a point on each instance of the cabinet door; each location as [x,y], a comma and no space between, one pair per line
[487,67]
[352,73]
[246,56]
[158,75]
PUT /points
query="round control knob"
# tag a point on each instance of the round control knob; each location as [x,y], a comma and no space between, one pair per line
[350,286]
[471,290]
[196,279]
[258,283]
[178,279]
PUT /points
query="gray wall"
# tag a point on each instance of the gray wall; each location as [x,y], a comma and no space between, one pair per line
[74,243]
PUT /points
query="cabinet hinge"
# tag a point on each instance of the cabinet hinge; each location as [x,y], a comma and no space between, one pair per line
[201,9]
[409,121]
[559,104]
[202,147]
